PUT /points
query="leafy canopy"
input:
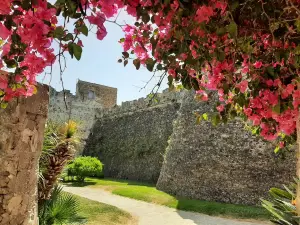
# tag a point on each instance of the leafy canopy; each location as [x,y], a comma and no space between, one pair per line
[248,51]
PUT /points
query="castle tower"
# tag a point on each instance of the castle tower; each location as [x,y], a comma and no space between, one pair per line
[105,96]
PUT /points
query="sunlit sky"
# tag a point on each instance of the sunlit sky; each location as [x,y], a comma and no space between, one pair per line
[99,65]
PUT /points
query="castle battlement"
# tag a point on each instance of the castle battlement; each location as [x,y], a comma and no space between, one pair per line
[140,104]
[94,101]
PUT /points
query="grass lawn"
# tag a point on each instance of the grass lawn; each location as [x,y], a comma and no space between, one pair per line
[148,193]
[98,213]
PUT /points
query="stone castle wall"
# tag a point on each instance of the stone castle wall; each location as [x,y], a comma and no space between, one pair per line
[131,139]
[162,143]
[223,163]
[82,107]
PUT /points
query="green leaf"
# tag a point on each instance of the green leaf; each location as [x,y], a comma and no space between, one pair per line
[234,5]
[254,130]
[11,63]
[77,51]
[71,49]
[221,56]
[215,119]
[122,40]
[297,24]
[16,2]
[68,37]
[16,38]
[170,81]
[205,116]
[4,105]
[17,13]
[276,192]
[59,2]
[48,23]
[137,63]
[150,64]
[159,67]
[83,29]
[9,23]
[276,150]
[297,50]
[21,58]
[26,4]
[232,29]
[125,54]
[270,71]
[198,119]
[58,32]
[145,18]
[276,108]
[221,31]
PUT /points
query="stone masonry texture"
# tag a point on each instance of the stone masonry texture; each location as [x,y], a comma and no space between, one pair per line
[131,142]
[81,108]
[161,143]
[225,163]
[21,137]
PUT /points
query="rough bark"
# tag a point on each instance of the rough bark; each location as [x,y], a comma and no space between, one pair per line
[21,138]
[54,167]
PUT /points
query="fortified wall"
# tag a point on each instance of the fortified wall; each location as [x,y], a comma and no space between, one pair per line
[131,139]
[82,106]
[223,163]
[161,143]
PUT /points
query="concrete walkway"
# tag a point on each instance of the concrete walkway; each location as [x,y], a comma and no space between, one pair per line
[151,214]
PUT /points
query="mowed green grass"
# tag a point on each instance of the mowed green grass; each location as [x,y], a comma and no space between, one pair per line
[148,193]
[98,213]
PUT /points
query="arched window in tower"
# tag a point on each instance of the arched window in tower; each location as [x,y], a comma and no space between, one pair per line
[91,95]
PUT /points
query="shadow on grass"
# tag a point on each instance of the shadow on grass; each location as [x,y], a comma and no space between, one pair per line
[79,184]
[148,192]
[130,182]
[223,209]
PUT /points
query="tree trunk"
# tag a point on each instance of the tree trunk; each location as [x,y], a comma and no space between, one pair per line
[54,167]
[21,137]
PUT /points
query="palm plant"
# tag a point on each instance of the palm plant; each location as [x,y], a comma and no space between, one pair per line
[282,205]
[58,149]
[61,208]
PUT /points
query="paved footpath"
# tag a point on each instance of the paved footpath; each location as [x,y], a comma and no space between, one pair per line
[152,214]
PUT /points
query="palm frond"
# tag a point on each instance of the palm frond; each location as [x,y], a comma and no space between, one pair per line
[61,208]
[282,206]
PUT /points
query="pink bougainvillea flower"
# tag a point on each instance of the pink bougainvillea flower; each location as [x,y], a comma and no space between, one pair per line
[101,33]
[204,13]
[172,73]
[257,64]
[3,82]
[4,32]
[220,108]
[243,86]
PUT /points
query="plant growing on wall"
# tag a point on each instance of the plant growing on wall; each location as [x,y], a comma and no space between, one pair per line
[248,51]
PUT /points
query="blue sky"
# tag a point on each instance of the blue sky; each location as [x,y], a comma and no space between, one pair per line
[99,64]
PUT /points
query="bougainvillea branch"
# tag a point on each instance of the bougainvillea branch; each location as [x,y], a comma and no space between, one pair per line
[247,51]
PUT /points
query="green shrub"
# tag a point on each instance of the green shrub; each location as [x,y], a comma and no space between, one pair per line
[282,205]
[85,166]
